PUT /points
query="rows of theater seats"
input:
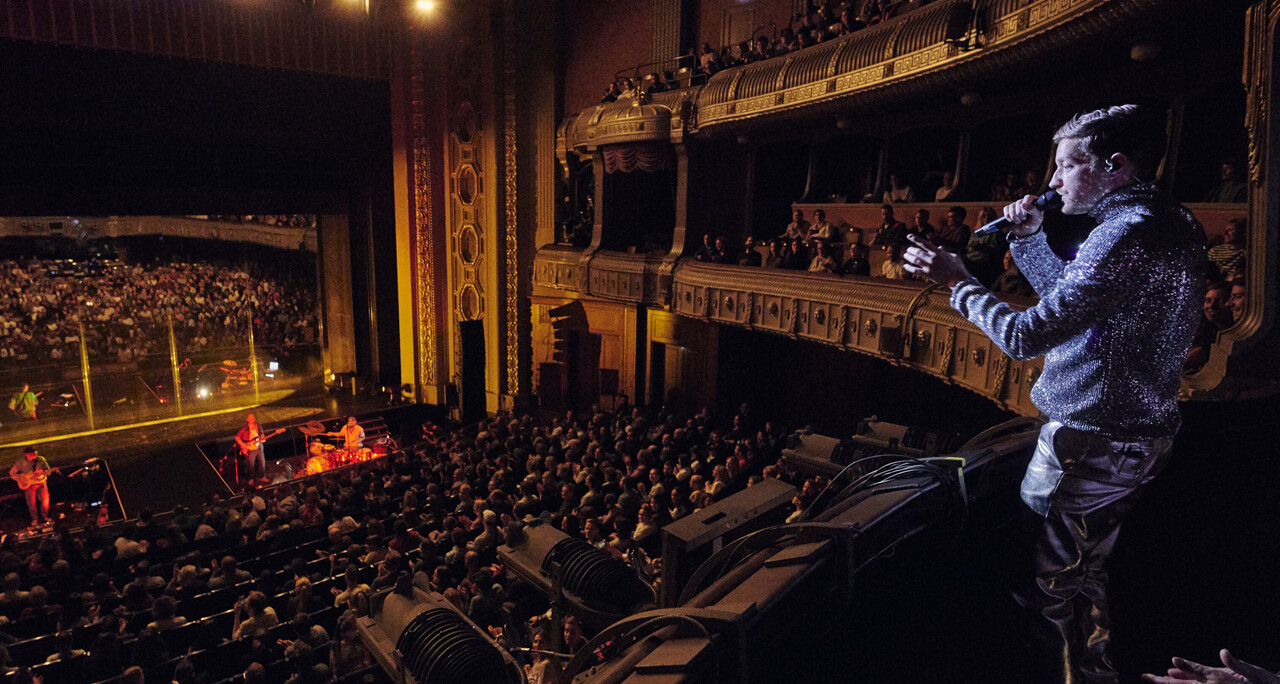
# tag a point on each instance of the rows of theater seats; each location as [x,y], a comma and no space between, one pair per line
[205,639]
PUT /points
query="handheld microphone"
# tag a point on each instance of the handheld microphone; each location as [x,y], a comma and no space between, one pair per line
[1048,201]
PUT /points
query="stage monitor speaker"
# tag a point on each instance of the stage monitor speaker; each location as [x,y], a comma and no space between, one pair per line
[689,541]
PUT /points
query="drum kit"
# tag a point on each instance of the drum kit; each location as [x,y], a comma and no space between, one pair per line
[322,456]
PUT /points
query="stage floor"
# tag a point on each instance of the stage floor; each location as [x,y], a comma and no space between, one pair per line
[158,466]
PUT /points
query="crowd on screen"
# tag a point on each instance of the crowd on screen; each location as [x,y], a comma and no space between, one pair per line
[431,516]
[125,310]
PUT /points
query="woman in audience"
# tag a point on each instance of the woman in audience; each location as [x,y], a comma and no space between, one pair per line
[260,616]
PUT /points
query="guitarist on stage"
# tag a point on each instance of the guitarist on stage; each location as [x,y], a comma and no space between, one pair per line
[32,474]
[250,440]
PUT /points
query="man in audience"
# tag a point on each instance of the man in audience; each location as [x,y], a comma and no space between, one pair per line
[1232,189]
[823,261]
[898,192]
[1236,302]
[707,252]
[893,267]
[1229,257]
[857,264]
[921,225]
[1012,281]
[1114,326]
[750,256]
[798,256]
[821,229]
[798,228]
[984,254]
[891,230]
[947,188]
[953,234]
[1215,317]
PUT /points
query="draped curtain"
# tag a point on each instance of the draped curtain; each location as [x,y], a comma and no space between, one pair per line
[650,156]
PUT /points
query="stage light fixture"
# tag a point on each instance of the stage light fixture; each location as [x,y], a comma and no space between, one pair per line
[426,5]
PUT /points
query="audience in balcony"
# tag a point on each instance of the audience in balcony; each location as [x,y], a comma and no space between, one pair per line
[947,188]
[1236,303]
[983,254]
[823,261]
[750,256]
[821,229]
[1216,315]
[857,264]
[797,256]
[1011,281]
[778,253]
[1232,188]
[953,234]
[798,228]
[1003,189]
[1229,257]
[898,192]
[891,230]
[921,225]
[894,267]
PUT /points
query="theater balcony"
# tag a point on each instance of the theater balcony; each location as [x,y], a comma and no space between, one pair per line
[907,323]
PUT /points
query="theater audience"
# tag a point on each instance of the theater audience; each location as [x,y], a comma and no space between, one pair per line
[1011,281]
[898,192]
[750,256]
[1216,316]
[891,230]
[947,189]
[953,234]
[857,264]
[983,255]
[798,228]
[823,261]
[821,229]
[893,267]
[1229,257]
[1231,189]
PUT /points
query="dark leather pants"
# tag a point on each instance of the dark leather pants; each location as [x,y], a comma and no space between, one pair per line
[1083,485]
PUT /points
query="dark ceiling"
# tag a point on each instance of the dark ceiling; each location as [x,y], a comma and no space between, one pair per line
[94,133]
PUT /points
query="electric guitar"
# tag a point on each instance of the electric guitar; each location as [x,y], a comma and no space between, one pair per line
[34,478]
[256,442]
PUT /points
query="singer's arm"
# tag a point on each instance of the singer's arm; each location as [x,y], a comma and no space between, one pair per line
[1100,278]
[1037,262]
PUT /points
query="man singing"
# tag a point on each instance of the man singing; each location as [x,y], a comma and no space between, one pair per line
[1114,326]
[32,474]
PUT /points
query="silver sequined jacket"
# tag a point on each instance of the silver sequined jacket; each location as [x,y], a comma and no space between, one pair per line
[1114,325]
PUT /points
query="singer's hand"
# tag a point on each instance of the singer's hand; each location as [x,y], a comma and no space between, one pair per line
[934,263]
[1024,215]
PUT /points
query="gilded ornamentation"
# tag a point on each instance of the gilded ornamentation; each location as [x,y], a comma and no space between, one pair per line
[424,280]
[948,347]
[510,35]
[1001,371]
[1260,25]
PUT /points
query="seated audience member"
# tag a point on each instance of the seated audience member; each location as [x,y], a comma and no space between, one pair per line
[1216,316]
[1229,257]
[1002,189]
[921,226]
[821,230]
[1236,671]
[721,253]
[898,193]
[260,616]
[63,648]
[778,253]
[1032,182]
[893,267]
[953,234]
[611,93]
[348,653]
[947,189]
[823,261]
[798,228]
[798,258]
[983,255]
[707,252]
[857,264]
[1012,281]
[1232,189]
[891,230]
[750,257]
[629,91]
[1237,300]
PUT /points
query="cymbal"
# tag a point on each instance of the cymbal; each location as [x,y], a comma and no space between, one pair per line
[313,428]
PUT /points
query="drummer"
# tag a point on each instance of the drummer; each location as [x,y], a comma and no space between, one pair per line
[352,435]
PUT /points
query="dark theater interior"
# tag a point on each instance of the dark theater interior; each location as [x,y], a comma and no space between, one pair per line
[639,341]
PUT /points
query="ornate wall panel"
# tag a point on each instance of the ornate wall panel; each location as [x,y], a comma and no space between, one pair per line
[427,218]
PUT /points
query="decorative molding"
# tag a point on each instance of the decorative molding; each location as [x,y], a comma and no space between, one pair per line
[424,220]
[510,36]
